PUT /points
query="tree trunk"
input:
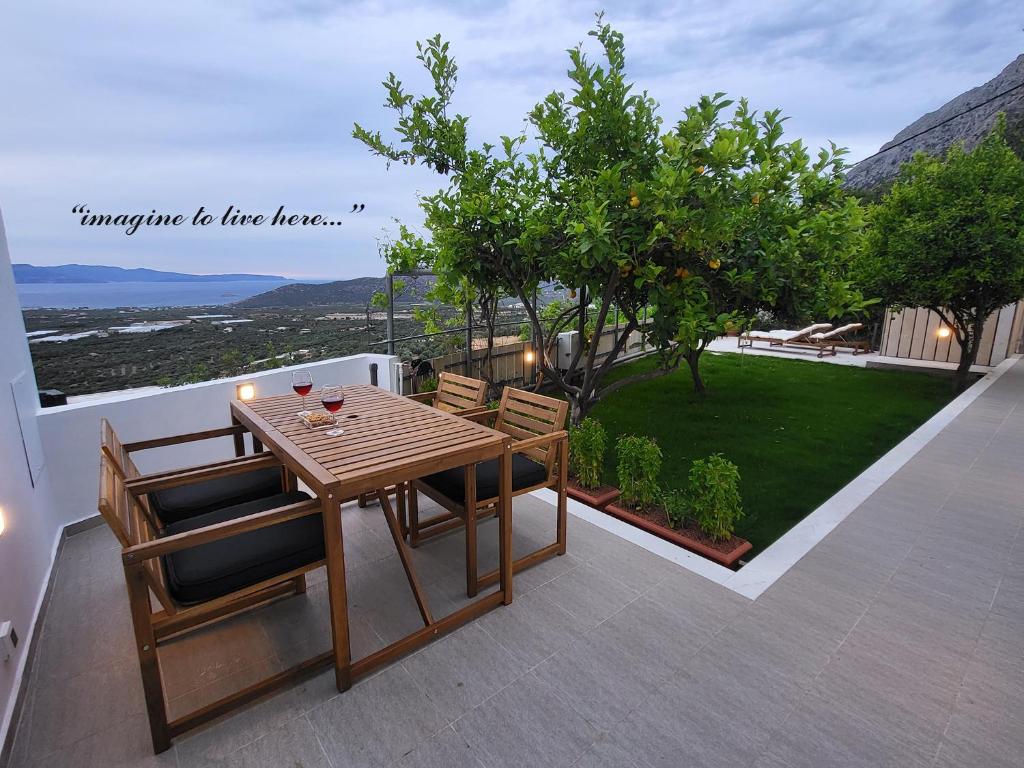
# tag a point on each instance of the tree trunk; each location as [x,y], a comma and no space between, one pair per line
[693,360]
[968,355]
[577,411]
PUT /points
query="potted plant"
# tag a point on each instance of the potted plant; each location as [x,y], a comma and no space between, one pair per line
[587,444]
[702,518]
[638,467]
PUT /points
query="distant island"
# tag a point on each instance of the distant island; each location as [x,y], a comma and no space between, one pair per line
[89,273]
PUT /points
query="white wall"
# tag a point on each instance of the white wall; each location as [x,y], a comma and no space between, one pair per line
[32,520]
[71,433]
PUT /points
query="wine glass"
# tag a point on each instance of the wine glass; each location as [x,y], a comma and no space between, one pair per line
[302,383]
[332,398]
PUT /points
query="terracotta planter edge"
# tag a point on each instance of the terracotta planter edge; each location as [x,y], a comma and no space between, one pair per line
[728,559]
[596,500]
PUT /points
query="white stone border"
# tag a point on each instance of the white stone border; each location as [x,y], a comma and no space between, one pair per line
[755,577]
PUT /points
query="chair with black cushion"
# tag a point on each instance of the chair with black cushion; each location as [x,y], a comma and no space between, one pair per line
[260,475]
[539,460]
[454,394]
[204,568]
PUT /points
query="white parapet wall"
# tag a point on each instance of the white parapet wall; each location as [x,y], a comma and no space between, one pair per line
[71,433]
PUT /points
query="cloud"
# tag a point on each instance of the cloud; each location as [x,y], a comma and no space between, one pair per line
[133,107]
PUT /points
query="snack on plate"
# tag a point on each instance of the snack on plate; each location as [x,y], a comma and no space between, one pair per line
[317,419]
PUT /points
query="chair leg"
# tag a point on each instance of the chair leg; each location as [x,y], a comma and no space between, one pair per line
[300,584]
[149,663]
[469,509]
[362,501]
[414,516]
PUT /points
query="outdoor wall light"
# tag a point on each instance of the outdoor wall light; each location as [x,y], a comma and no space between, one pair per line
[944,332]
[3,522]
[245,391]
[529,356]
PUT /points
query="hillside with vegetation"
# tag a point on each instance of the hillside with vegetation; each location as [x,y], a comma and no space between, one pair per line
[356,292]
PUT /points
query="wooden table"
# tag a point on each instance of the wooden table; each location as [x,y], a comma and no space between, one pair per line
[388,440]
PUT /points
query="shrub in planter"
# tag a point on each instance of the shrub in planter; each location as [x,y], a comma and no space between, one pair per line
[714,498]
[639,465]
[587,443]
[676,506]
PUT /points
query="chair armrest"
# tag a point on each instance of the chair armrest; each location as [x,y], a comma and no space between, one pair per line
[245,461]
[539,441]
[179,541]
[190,437]
[162,480]
[481,413]
[423,397]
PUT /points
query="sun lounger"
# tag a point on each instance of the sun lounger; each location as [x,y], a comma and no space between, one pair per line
[776,338]
[828,341]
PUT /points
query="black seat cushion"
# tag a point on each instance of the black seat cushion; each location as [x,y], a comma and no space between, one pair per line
[451,482]
[176,504]
[218,568]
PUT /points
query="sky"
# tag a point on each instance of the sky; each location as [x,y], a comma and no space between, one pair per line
[128,107]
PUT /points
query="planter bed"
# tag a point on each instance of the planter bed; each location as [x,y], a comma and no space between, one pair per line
[690,537]
[598,498]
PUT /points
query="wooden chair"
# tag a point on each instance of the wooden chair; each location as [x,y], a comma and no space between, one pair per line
[205,567]
[454,393]
[259,474]
[539,460]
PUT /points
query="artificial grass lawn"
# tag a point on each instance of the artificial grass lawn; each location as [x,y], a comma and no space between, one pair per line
[797,430]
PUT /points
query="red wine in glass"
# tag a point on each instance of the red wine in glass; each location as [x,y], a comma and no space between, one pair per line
[302,383]
[332,401]
[332,398]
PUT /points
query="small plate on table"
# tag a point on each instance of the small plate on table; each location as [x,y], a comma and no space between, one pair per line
[317,419]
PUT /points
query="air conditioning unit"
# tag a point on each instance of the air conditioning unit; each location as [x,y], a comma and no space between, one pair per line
[568,344]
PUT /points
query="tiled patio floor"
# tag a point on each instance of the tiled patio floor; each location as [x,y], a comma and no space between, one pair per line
[898,641]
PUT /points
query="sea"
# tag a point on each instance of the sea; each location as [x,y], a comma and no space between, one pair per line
[148,295]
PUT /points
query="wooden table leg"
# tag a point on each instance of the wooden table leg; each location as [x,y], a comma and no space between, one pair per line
[505,524]
[403,520]
[337,591]
[239,439]
[469,508]
[405,557]
[413,507]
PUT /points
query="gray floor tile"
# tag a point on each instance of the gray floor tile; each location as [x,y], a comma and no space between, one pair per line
[446,749]
[461,670]
[532,628]
[602,679]
[815,735]
[377,721]
[588,594]
[217,741]
[527,723]
[293,744]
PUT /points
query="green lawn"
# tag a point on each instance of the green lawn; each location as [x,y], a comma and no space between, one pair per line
[797,430]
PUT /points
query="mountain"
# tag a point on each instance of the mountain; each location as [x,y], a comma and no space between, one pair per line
[89,273]
[970,128]
[353,292]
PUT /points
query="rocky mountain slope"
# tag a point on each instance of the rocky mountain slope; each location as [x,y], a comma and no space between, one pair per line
[970,127]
